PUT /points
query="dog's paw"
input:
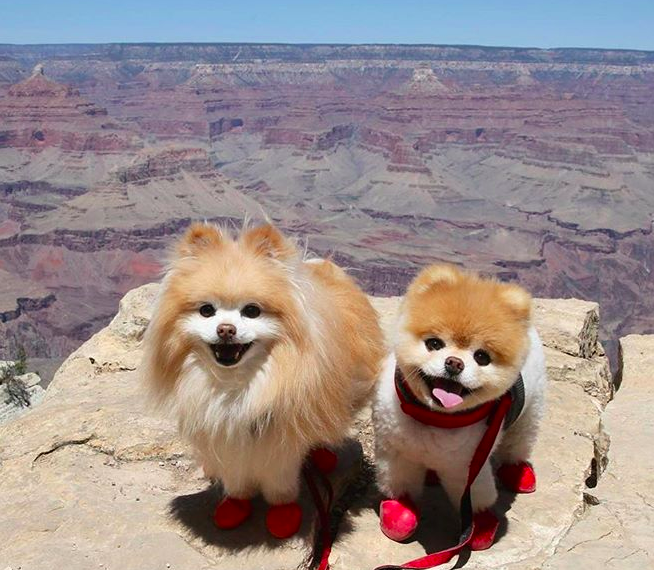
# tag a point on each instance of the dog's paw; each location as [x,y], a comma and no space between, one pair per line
[283,521]
[398,518]
[231,513]
[486,525]
[517,477]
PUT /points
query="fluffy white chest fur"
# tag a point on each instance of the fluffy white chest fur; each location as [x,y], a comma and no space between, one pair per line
[235,443]
[406,448]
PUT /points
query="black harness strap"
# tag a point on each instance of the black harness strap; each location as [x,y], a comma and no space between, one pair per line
[517,402]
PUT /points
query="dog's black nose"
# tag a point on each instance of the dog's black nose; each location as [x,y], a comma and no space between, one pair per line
[454,365]
[226,332]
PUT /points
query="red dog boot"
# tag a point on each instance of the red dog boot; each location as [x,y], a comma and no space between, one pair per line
[431,478]
[398,518]
[486,525]
[324,459]
[283,521]
[518,477]
[231,512]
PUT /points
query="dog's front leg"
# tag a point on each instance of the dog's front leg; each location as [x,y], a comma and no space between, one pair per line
[397,476]
[484,490]
[401,480]
[280,482]
[484,495]
[453,476]
[280,485]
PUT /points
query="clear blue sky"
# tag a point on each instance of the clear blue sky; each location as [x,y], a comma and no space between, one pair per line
[553,23]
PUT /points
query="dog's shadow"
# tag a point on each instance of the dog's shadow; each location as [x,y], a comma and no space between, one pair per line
[195,513]
[439,524]
[438,530]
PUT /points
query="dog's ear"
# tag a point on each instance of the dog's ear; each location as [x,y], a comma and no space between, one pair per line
[198,238]
[268,240]
[517,299]
[434,275]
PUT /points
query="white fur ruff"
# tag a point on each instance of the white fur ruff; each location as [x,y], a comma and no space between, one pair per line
[242,450]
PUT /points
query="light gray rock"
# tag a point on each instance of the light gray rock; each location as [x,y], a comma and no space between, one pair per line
[569,325]
[592,374]
[92,478]
[616,528]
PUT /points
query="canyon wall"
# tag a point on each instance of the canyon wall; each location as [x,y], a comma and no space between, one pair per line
[533,165]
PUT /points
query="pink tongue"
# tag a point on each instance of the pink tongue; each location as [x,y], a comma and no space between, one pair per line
[447,399]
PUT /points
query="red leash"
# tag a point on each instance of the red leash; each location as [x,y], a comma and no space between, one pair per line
[494,411]
[495,419]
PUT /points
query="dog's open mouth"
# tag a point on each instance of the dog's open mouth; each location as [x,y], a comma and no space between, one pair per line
[229,354]
[445,391]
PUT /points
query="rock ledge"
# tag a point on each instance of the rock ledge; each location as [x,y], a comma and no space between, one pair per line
[91,478]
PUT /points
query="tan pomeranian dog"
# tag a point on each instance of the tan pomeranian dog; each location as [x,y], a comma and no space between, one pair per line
[265,358]
[463,343]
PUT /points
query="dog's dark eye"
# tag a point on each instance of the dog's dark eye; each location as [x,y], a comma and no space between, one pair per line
[251,311]
[434,343]
[482,357]
[207,310]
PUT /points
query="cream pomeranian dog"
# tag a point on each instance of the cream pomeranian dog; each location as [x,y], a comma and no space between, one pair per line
[462,343]
[264,358]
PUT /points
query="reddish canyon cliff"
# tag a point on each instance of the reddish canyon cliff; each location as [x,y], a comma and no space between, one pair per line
[534,165]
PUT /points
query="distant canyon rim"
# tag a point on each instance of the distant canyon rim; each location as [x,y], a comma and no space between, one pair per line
[533,165]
